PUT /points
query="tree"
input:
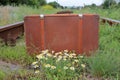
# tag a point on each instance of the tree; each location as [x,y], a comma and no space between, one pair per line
[119,3]
[108,3]
[54,4]
[27,2]
[93,5]
[42,2]
[4,2]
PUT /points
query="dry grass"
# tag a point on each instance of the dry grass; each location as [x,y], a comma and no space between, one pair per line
[12,14]
[6,14]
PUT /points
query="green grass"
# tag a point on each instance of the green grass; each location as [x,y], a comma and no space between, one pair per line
[109,37]
[21,75]
[15,54]
[108,13]
[2,75]
[103,63]
[10,14]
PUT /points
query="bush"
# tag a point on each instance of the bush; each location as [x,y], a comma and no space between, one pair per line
[54,4]
[47,7]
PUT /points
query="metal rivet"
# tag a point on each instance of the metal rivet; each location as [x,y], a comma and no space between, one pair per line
[41,16]
[80,15]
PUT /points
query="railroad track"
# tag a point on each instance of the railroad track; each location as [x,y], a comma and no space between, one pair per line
[10,33]
[109,21]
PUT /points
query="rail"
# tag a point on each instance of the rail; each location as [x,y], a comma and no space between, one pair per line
[109,21]
[10,33]
[65,12]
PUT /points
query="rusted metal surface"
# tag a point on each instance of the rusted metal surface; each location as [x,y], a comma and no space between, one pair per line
[61,31]
[90,32]
[110,21]
[10,33]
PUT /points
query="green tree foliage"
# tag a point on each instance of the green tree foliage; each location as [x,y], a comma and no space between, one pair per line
[108,4]
[27,2]
[4,2]
[118,5]
[55,4]
[93,5]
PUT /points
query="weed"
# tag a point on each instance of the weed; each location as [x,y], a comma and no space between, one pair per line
[15,54]
[106,61]
[104,64]
[2,75]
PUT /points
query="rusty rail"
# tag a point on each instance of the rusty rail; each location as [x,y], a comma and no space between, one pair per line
[65,12]
[10,33]
[109,21]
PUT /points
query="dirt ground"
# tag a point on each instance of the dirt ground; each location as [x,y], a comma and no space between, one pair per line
[8,67]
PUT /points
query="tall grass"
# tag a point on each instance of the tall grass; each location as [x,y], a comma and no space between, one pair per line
[106,61]
[109,37]
[5,13]
[2,75]
[10,14]
[109,13]
[104,64]
[15,54]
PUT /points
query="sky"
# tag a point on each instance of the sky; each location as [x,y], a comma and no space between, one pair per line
[77,2]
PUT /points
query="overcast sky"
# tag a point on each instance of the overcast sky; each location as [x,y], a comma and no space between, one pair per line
[77,2]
